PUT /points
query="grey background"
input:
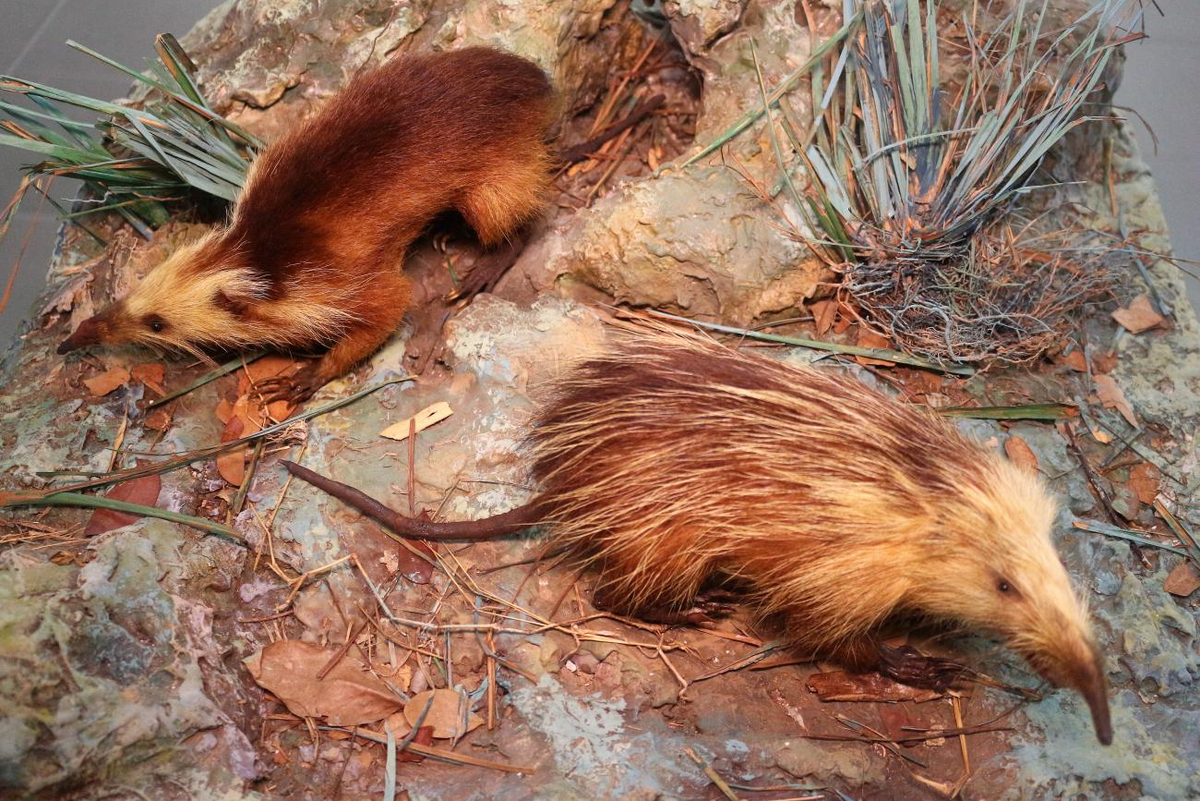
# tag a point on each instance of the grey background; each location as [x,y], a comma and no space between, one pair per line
[1162,81]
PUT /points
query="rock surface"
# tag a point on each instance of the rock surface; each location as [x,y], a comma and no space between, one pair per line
[121,666]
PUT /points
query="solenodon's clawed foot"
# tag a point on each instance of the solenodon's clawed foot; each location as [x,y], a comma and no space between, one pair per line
[907,665]
[487,270]
[295,388]
[701,612]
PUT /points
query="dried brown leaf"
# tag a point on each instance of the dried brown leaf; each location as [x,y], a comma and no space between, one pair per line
[1143,480]
[1104,362]
[270,366]
[1112,396]
[1183,580]
[1139,316]
[347,696]
[1020,454]
[446,714]
[413,567]
[1076,361]
[845,319]
[869,339]
[151,374]
[142,491]
[158,420]
[232,464]
[824,313]
[107,381]
[224,410]
[400,728]
[896,718]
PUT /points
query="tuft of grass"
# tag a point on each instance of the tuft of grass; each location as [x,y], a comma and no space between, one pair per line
[134,161]
[912,182]
[909,169]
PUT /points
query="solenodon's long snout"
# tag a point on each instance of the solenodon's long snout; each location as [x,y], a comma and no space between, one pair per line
[1094,690]
[88,333]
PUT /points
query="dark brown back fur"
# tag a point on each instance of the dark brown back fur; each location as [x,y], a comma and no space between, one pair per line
[394,148]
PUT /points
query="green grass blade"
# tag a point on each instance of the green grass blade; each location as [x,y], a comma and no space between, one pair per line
[832,347]
[752,116]
[99,502]
[1033,411]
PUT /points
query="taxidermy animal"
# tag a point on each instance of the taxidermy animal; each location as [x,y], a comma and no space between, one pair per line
[669,462]
[311,257]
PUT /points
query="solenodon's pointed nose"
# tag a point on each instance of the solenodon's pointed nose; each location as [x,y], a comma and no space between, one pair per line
[1097,701]
[1094,690]
[88,333]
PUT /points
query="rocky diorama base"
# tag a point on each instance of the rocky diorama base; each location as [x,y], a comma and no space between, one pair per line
[128,647]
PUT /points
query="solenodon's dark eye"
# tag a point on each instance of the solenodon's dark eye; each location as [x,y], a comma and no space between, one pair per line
[155,323]
[1003,586]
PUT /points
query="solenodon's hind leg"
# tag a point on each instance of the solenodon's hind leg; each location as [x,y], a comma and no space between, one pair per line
[500,209]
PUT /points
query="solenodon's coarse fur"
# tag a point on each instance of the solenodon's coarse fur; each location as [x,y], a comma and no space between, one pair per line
[671,461]
[312,255]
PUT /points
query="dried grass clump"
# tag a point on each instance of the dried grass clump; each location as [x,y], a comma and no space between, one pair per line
[1010,297]
[912,183]
[133,160]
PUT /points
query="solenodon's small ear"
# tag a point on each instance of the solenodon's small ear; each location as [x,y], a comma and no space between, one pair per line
[232,304]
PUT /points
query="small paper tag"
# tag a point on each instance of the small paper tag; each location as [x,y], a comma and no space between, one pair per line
[424,418]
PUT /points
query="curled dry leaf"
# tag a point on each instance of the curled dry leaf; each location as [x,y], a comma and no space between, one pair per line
[1104,362]
[158,420]
[1143,480]
[1076,361]
[270,366]
[107,381]
[1183,580]
[1139,317]
[845,319]
[347,696]
[412,566]
[824,313]
[838,685]
[869,339]
[142,491]
[449,715]
[1110,394]
[428,416]
[1020,454]
[151,374]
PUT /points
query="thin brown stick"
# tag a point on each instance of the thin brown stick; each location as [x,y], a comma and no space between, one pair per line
[341,652]
[491,675]
[412,466]
[438,753]
[610,102]
[119,440]
[712,775]
[936,734]
[962,737]
[640,111]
